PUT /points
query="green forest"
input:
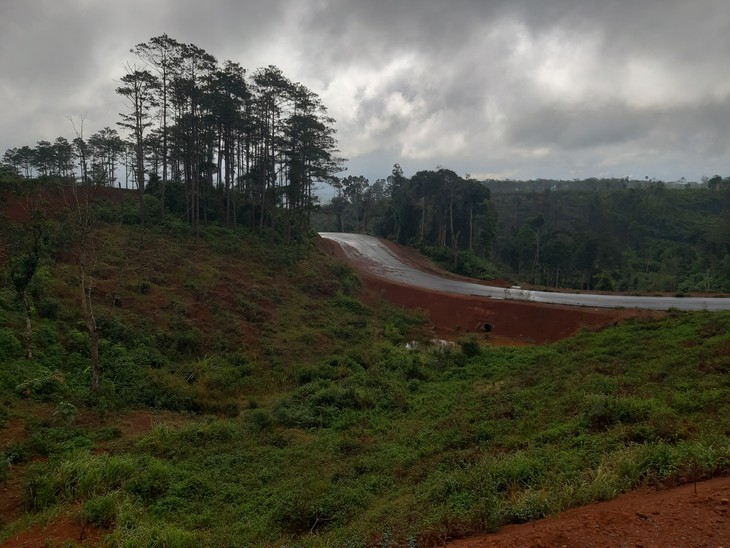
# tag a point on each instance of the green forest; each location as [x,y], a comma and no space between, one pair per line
[204,139]
[605,235]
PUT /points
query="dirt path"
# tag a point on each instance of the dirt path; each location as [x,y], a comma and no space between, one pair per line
[645,518]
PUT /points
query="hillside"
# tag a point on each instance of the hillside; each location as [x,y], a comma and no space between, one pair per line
[250,396]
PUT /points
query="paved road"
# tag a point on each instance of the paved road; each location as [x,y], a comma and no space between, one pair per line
[386,264]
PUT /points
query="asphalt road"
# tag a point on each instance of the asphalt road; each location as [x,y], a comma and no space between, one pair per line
[383,262]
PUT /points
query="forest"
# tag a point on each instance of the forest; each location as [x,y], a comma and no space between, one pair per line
[605,235]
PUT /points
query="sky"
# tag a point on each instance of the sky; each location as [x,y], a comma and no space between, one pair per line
[518,89]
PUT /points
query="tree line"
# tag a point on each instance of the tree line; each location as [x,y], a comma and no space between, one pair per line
[644,239]
[208,139]
[437,211]
[592,234]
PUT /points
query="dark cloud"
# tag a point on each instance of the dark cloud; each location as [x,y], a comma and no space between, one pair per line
[580,87]
[575,127]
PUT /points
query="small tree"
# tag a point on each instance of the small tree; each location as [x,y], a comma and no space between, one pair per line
[82,221]
[82,217]
[26,246]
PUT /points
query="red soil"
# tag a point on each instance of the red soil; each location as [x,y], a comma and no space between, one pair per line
[57,533]
[505,322]
[647,518]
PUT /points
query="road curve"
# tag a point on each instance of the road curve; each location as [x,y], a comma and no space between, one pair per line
[384,263]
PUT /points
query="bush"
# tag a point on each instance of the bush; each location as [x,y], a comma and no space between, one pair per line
[603,411]
[102,510]
[470,347]
[45,387]
[39,490]
[79,476]
[14,453]
[187,340]
[148,534]
[352,305]
[48,308]
[260,420]
[10,346]
[49,440]
[66,412]
[150,480]
[78,341]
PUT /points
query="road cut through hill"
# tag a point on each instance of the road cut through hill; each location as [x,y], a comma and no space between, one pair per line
[453,315]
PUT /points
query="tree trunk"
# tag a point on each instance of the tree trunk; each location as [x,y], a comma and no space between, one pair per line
[28,327]
[95,360]
[454,237]
[90,323]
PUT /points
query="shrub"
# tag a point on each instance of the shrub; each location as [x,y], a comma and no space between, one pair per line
[470,346]
[14,453]
[187,340]
[66,412]
[38,490]
[101,510]
[603,411]
[348,279]
[148,534]
[48,308]
[260,420]
[78,341]
[348,303]
[10,346]
[45,387]
[150,480]
[49,440]
[79,476]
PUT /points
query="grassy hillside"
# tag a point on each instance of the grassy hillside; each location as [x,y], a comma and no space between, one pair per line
[302,420]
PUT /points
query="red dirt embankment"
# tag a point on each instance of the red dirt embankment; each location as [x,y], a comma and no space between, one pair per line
[506,322]
[646,518]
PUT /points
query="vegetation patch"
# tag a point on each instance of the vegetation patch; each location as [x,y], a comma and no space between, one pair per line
[305,419]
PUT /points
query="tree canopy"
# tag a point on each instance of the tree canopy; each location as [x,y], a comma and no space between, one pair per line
[207,139]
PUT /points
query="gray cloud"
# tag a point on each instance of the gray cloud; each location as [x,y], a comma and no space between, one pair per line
[503,87]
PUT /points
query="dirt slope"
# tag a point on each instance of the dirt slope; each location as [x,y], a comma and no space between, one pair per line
[505,322]
[646,518]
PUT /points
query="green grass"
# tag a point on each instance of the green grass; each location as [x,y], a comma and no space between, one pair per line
[418,446]
[311,425]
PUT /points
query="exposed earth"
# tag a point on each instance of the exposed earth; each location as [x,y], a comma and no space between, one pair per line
[646,518]
[499,321]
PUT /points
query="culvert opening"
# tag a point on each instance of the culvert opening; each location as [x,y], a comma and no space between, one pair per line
[487,327]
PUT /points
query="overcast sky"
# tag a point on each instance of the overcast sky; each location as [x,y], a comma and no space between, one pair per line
[495,88]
